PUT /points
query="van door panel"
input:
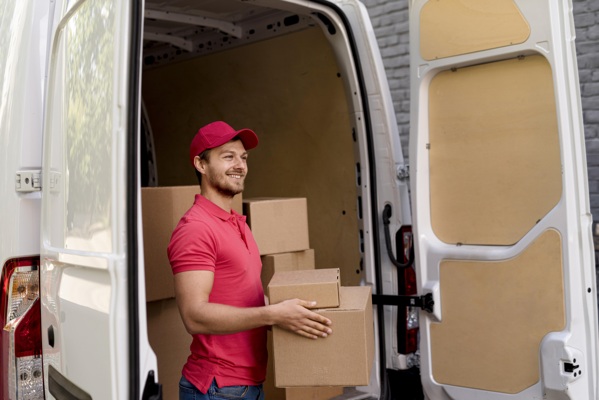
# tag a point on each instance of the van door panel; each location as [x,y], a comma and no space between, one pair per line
[502,224]
[84,215]
[453,27]
[495,164]
[499,311]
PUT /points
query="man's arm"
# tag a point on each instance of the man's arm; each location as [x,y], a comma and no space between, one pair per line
[192,290]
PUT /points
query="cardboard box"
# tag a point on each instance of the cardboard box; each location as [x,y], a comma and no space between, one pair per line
[295,261]
[320,285]
[342,359]
[170,341]
[271,392]
[162,208]
[279,225]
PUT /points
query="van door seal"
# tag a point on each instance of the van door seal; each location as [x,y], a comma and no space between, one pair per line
[132,170]
[387,212]
[384,395]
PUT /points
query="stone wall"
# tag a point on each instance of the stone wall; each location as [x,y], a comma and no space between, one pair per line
[390,22]
[586,19]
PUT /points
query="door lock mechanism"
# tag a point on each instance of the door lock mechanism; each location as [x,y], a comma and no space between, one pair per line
[572,368]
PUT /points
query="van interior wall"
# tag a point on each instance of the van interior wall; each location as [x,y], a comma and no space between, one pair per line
[289,90]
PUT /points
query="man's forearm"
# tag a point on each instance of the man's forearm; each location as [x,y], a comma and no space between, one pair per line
[222,319]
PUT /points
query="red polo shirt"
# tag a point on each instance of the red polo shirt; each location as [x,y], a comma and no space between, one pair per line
[210,239]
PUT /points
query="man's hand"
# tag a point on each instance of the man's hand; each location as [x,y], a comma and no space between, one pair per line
[294,315]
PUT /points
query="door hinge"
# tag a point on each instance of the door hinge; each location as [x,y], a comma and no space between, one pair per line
[402,171]
[28,181]
[425,302]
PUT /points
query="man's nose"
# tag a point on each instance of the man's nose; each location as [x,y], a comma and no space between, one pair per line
[240,162]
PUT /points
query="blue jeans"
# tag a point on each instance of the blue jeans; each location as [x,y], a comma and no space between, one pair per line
[189,392]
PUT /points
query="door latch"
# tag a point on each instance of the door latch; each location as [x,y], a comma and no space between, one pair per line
[571,367]
[425,302]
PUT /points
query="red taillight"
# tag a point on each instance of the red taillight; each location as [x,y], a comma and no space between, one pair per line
[409,276]
[21,352]
[28,334]
[407,317]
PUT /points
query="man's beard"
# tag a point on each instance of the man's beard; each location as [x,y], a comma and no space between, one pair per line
[225,188]
[228,192]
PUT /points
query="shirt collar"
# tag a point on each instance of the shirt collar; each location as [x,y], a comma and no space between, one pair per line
[216,210]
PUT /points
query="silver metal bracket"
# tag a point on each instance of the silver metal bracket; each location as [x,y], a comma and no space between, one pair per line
[403,171]
[28,181]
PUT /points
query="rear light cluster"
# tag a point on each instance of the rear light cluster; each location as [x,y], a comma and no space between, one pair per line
[407,318]
[21,351]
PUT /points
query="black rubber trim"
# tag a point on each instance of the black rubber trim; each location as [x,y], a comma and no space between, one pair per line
[373,190]
[131,196]
[152,389]
[62,388]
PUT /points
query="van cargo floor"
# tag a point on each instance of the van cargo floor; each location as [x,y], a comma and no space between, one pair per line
[353,394]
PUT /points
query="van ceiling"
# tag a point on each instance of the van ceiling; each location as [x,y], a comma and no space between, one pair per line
[181,29]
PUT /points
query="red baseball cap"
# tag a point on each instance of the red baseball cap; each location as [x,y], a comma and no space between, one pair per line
[218,133]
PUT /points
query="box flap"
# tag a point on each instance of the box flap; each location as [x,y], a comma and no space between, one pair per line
[320,285]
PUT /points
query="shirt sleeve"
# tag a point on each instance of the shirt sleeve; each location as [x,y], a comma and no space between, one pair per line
[192,247]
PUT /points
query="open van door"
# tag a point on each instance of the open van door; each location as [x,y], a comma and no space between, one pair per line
[500,199]
[93,323]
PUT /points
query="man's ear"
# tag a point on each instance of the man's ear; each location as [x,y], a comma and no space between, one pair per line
[199,164]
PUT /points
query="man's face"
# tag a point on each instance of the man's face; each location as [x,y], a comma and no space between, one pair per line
[226,168]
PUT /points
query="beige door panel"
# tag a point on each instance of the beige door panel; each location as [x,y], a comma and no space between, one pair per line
[454,27]
[495,315]
[495,166]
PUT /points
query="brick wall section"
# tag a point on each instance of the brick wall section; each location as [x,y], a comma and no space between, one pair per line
[390,22]
[586,19]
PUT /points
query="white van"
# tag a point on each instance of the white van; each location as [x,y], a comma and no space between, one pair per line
[500,279]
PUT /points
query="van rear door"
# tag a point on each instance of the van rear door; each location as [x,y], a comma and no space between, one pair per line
[500,199]
[92,320]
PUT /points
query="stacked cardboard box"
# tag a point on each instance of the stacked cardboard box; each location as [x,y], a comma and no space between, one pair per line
[162,208]
[280,227]
[342,359]
[319,285]
[294,261]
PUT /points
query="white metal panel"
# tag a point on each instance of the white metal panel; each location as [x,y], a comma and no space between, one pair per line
[551,36]
[84,213]
[23,47]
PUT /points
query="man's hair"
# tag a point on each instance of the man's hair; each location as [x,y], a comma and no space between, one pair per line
[204,156]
